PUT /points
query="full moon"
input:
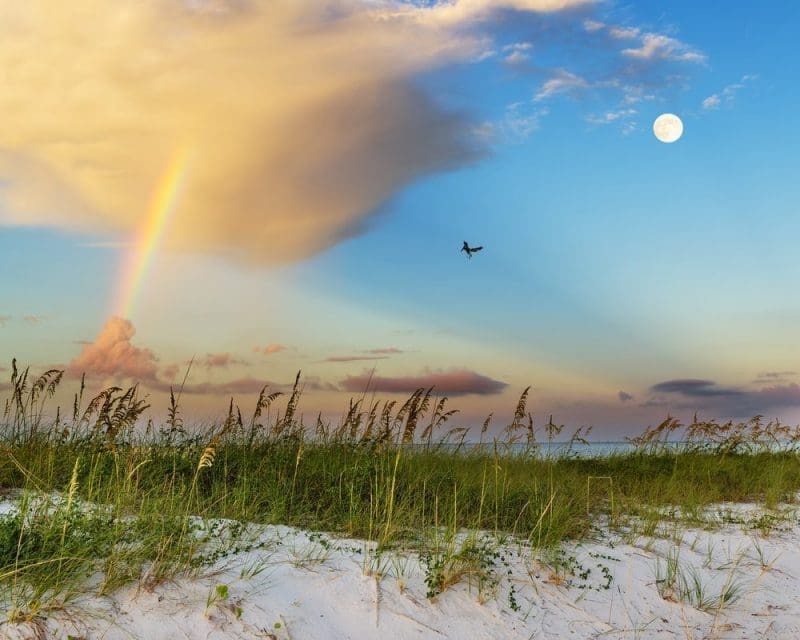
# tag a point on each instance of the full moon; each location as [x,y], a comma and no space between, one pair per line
[668,127]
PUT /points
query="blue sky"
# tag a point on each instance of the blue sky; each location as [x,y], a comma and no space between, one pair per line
[612,262]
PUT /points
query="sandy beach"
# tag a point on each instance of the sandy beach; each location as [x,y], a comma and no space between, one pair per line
[738,581]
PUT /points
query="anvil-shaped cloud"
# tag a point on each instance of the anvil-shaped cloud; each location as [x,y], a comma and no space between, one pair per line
[301,116]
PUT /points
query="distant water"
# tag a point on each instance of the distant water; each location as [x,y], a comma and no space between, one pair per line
[592,449]
[551,449]
[580,450]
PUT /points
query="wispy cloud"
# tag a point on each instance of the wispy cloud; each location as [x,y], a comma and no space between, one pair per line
[4,320]
[270,348]
[382,353]
[652,46]
[618,32]
[624,396]
[655,46]
[354,358]
[619,116]
[593,25]
[219,361]
[246,385]
[34,320]
[771,377]
[728,93]
[520,120]
[517,52]
[455,382]
[563,82]
[623,33]
[611,116]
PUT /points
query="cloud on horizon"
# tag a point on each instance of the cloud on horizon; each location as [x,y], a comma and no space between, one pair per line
[457,382]
[693,388]
[112,355]
[698,394]
[247,385]
[771,377]
[218,361]
[354,358]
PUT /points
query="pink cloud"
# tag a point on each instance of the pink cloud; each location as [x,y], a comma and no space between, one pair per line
[170,371]
[218,360]
[240,385]
[455,382]
[354,358]
[112,354]
[270,349]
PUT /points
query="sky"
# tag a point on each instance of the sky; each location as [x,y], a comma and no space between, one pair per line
[262,187]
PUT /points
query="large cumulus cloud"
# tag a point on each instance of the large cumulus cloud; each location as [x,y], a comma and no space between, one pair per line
[300,117]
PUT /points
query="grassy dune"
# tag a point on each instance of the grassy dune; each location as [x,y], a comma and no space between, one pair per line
[105,502]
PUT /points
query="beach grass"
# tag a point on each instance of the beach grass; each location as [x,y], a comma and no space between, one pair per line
[106,500]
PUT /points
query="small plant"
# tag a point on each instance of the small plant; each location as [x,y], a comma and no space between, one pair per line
[375,563]
[512,598]
[448,564]
[309,555]
[761,557]
[669,577]
[219,597]
[400,568]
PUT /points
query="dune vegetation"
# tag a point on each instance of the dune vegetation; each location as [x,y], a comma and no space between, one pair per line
[101,499]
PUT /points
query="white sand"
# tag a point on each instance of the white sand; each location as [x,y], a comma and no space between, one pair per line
[316,589]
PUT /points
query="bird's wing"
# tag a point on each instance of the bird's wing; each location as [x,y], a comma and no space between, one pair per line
[477,248]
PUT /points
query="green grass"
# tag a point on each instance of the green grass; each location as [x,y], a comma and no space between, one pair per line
[107,500]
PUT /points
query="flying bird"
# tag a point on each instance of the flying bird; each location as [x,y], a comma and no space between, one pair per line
[470,250]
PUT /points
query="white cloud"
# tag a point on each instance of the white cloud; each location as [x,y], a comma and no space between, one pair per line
[624,33]
[728,93]
[711,102]
[518,122]
[611,116]
[464,11]
[563,82]
[517,52]
[656,46]
[593,25]
[635,93]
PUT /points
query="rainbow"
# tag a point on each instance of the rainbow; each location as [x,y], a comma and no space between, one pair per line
[150,232]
